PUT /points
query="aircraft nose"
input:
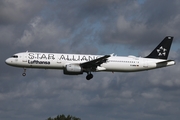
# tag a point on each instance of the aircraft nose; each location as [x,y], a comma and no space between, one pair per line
[8,61]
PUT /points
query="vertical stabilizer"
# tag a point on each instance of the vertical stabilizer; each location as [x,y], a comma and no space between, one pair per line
[162,50]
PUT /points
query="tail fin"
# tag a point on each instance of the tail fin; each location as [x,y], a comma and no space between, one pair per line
[162,50]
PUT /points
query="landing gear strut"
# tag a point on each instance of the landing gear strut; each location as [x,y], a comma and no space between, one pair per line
[89,76]
[24,73]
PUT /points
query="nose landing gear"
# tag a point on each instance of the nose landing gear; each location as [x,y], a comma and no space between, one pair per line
[24,73]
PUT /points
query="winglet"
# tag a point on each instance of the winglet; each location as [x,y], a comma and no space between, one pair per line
[112,54]
[162,50]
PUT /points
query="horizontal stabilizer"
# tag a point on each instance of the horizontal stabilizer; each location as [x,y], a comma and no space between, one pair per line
[165,63]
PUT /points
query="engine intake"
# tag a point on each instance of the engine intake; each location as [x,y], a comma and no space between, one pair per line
[71,69]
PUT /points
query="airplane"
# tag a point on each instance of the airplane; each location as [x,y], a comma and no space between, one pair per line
[76,64]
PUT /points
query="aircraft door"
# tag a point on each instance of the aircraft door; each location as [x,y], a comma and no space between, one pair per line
[24,58]
[145,63]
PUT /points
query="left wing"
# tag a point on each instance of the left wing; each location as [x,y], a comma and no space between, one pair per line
[93,64]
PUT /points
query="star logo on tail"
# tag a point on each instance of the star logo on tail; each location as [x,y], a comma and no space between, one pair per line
[161,51]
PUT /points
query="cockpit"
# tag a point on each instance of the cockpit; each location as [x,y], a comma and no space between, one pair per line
[13,59]
[14,56]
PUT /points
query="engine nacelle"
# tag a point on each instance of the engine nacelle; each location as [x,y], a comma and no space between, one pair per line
[71,69]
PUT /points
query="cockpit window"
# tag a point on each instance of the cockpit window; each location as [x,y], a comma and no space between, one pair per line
[15,56]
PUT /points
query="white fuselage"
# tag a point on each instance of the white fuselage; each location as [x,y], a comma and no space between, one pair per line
[59,61]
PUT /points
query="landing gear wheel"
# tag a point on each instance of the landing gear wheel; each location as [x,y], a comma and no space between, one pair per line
[89,76]
[24,74]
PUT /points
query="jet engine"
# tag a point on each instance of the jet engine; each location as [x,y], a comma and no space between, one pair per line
[72,69]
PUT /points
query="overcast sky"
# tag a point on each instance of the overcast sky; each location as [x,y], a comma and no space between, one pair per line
[123,27]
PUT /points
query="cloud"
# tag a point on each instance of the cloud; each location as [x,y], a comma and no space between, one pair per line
[19,11]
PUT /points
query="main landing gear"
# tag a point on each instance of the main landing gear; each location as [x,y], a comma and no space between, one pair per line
[89,76]
[24,73]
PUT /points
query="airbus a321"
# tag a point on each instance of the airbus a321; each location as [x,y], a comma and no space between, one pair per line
[76,64]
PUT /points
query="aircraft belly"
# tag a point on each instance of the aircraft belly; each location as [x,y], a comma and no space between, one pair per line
[120,67]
